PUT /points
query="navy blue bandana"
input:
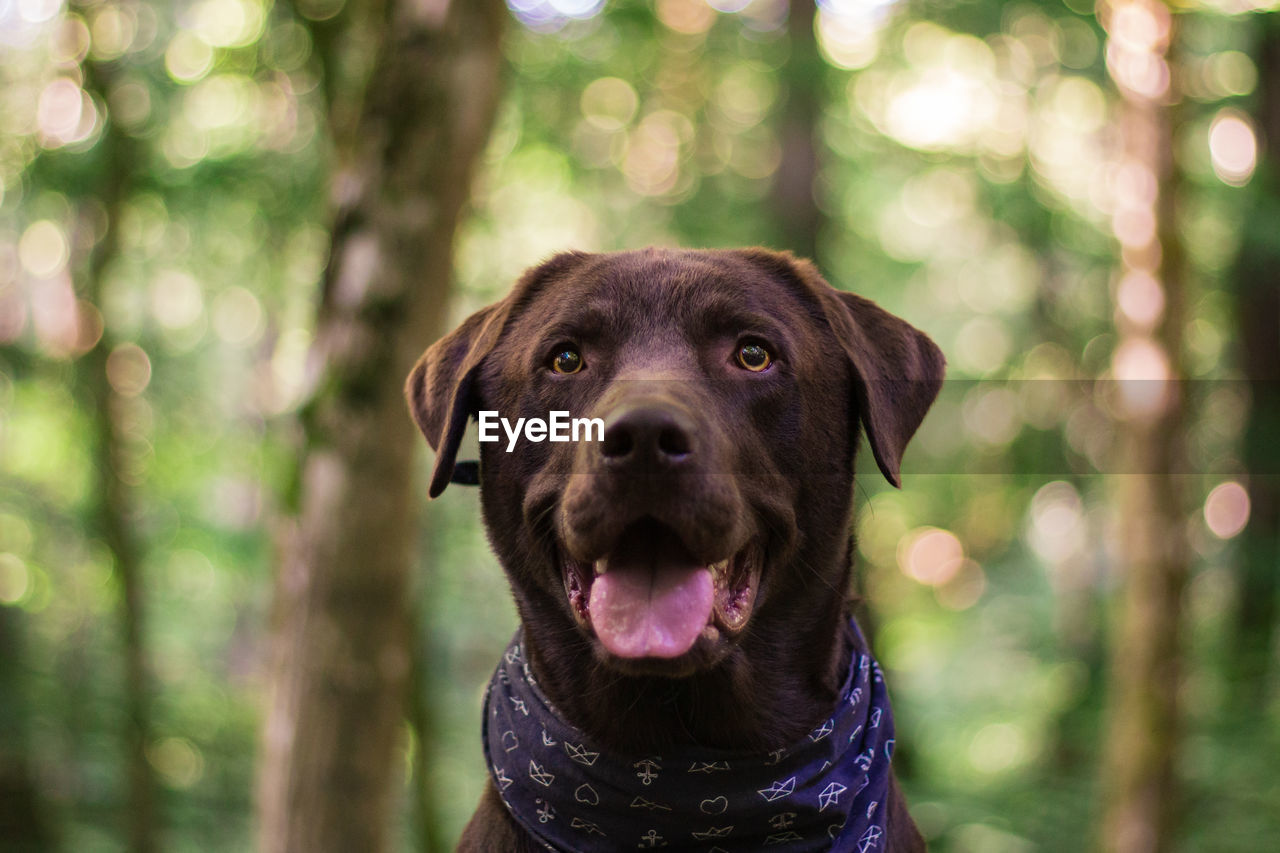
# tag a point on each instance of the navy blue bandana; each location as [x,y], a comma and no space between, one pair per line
[827,791]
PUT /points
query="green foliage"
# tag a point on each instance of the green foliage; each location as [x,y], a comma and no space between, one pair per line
[967,161]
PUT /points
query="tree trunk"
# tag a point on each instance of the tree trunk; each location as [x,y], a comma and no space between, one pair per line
[114,508]
[797,217]
[341,661]
[1258,313]
[23,825]
[1139,766]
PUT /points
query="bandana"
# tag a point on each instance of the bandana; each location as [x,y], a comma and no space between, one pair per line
[826,791]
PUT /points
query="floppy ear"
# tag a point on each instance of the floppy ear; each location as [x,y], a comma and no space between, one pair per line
[898,372]
[897,369]
[441,388]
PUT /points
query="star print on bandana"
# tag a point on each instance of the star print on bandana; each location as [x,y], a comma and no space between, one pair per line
[818,794]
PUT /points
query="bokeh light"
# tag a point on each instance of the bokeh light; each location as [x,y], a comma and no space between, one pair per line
[1226,510]
[930,555]
[1233,147]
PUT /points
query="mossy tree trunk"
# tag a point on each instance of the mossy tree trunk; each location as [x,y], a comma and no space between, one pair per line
[1258,310]
[406,142]
[1140,754]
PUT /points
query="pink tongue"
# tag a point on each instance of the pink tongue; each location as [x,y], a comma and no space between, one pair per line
[650,607]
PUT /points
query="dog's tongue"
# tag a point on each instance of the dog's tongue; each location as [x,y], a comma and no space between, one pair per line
[653,599]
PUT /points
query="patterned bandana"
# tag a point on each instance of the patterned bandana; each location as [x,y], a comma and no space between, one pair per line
[825,792]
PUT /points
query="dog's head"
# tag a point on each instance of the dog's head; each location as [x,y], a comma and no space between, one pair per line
[730,386]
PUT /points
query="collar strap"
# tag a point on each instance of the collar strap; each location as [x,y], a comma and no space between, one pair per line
[826,791]
[466,473]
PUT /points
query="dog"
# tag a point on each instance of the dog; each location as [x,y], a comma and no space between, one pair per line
[687,673]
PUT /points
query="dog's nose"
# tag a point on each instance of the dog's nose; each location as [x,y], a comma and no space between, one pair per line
[646,434]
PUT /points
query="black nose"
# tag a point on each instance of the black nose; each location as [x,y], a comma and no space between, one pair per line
[646,434]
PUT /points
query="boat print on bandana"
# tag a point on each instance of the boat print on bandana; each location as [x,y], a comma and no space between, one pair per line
[819,794]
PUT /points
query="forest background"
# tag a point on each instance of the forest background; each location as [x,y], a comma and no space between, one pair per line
[230,619]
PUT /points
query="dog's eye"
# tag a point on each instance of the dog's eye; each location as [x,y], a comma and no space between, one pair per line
[566,360]
[754,357]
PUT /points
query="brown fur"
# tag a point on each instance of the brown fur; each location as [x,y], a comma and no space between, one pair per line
[770,466]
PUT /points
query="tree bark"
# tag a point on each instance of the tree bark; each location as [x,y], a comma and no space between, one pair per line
[115,504]
[341,661]
[798,218]
[1139,764]
[1258,315]
[24,826]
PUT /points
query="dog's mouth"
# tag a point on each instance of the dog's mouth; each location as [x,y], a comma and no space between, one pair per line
[650,597]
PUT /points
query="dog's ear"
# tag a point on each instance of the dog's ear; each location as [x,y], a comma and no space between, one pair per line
[441,388]
[897,369]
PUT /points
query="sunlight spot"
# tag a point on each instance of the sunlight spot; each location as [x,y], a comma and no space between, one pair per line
[745,95]
[609,103]
[930,555]
[964,589]
[114,29]
[1226,510]
[220,101]
[1233,147]
[65,113]
[43,249]
[1140,298]
[652,162]
[177,760]
[1057,530]
[1143,372]
[553,14]
[228,23]
[849,31]
[128,370]
[1080,103]
[38,11]
[690,17]
[1229,74]
[188,57]
[69,43]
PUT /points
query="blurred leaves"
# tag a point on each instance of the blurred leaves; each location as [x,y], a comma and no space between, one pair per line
[971,182]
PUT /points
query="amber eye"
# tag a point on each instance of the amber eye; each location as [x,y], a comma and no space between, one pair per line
[754,357]
[567,360]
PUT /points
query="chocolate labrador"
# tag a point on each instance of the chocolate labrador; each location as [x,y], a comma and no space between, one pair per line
[687,673]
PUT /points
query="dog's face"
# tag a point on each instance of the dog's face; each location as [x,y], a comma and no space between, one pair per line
[730,386]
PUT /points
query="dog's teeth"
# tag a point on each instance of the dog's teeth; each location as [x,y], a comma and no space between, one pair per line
[719,568]
[600,567]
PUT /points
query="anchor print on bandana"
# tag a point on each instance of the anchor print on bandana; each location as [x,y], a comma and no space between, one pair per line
[648,769]
[651,839]
[819,793]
